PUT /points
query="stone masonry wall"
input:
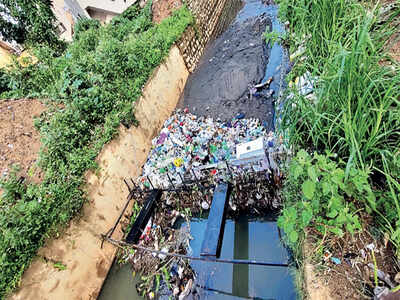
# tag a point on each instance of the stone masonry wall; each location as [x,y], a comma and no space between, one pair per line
[212,17]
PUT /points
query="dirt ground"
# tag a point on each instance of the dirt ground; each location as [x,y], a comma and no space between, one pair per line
[352,278]
[393,45]
[163,9]
[394,51]
[19,139]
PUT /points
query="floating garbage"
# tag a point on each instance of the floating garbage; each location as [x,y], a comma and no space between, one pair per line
[188,144]
[189,157]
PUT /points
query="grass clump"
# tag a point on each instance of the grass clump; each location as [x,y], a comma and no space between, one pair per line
[90,89]
[354,110]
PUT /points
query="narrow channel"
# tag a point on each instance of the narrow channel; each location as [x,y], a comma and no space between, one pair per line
[244,238]
[219,88]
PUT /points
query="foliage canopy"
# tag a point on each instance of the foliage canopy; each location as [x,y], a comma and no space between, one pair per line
[29,22]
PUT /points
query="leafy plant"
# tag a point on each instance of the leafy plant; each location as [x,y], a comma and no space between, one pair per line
[31,22]
[319,194]
[272,37]
[90,89]
[60,266]
[354,107]
[85,24]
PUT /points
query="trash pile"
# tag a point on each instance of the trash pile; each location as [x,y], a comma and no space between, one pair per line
[205,152]
[188,159]
[189,144]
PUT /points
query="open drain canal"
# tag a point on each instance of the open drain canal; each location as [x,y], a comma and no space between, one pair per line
[244,238]
[181,179]
[278,61]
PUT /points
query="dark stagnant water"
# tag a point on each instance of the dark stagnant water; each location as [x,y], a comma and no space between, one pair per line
[249,239]
[244,238]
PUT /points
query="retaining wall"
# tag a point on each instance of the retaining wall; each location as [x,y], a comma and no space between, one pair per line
[212,17]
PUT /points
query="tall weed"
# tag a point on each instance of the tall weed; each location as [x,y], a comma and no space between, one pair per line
[355,107]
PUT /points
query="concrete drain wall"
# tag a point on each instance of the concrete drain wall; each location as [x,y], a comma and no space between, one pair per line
[78,248]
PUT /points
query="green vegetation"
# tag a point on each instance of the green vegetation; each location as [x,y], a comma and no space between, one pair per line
[328,197]
[60,266]
[90,89]
[354,112]
[29,22]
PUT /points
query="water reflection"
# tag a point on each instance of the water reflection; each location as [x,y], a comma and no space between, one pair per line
[244,239]
[120,284]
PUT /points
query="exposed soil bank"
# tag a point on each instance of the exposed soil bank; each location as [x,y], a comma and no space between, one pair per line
[219,88]
[79,247]
[19,139]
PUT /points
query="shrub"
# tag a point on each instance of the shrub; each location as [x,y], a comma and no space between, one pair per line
[319,193]
[85,24]
[91,89]
[355,107]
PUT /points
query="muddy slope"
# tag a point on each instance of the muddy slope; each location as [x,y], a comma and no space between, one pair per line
[19,139]
[219,86]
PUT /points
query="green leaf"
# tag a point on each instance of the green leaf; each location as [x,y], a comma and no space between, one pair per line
[306,217]
[296,170]
[292,213]
[336,203]
[326,188]
[302,156]
[312,173]
[337,231]
[308,188]
[341,218]
[332,214]
[350,228]
[293,236]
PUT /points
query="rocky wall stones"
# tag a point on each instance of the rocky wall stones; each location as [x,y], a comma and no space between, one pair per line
[212,18]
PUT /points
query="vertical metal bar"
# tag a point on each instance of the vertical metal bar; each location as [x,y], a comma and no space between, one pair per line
[232,178]
[229,169]
[138,188]
[180,176]
[194,174]
[186,187]
[170,181]
[197,182]
[179,195]
[148,178]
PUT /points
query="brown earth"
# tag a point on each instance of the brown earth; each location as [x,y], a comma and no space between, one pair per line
[393,45]
[163,9]
[19,139]
[352,278]
[78,249]
[394,51]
